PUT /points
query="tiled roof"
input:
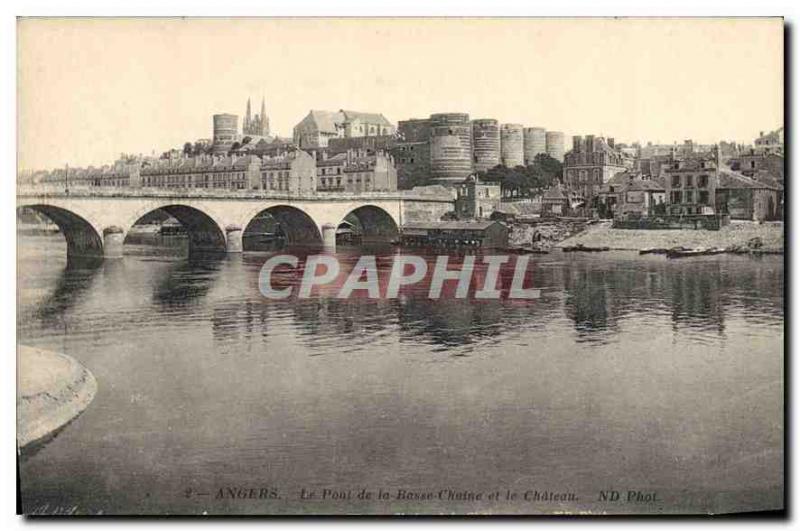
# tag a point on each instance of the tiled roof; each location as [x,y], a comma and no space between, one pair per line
[368,117]
[734,180]
[326,121]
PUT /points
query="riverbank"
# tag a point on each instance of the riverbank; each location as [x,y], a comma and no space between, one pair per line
[52,389]
[543,234]
[734,235]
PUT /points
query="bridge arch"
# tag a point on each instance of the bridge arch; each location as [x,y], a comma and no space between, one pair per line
[83,237]
[205,233]
[281,223]
[373,223]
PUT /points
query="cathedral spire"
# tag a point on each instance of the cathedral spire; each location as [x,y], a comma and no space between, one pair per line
[263,114]
[264,118]
[247,115]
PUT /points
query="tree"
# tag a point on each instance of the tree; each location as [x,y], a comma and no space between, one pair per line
[526,181]
[188,150]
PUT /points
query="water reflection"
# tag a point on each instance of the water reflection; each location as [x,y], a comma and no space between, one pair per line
[187,281]
[70,287]
[595,294]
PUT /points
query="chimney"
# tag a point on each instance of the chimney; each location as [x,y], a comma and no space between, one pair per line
[610,142]
[576,143]
[590,143]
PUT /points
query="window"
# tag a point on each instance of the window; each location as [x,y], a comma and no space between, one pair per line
[689,182]
[702,181]
[703,200]
[676,181]
[675,197]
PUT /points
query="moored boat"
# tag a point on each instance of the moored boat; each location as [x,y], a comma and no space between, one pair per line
[584,248]
[681,252]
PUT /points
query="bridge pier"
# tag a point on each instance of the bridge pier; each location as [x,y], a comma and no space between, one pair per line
[233,235]
[329,237]
[113,238]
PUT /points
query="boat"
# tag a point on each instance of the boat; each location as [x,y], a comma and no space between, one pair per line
[654,250]
[584,248]
[681,252]
[527,250]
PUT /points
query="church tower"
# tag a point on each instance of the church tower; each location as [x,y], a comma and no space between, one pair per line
[264,118]
[247,125]
[258,124]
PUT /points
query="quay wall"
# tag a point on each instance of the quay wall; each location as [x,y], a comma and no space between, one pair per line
[52,390]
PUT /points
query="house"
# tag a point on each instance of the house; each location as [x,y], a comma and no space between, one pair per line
[555,202]
[690,184]
[744,197]
[477,199]
[641,198]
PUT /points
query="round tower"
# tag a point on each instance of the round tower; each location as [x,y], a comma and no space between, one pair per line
[511,145]
[555,145]
[534,143]
[226,130]
[485,144]
[451,147]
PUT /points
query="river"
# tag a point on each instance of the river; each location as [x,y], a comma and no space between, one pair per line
[629,374]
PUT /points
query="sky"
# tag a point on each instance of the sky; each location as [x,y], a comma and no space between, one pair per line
[90,89]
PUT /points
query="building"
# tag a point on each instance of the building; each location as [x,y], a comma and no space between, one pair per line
[413,163]
[590,164]
[752,162]
[611,192]
[747,198]
[771,142]
[641,198]
[690,184]
[555,202]
[371,143]
[319,127]
[207,171]
[257,125]
[292,171]
[554,144]
[477,200]
[356,171]
[456,234]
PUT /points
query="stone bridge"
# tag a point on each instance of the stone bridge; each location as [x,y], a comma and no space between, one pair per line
[95,221]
